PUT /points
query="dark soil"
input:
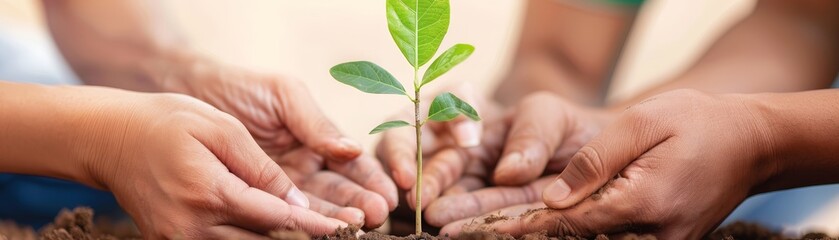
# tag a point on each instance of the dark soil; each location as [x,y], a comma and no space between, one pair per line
[79,224]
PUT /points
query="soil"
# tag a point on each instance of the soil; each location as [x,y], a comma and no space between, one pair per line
[79,224]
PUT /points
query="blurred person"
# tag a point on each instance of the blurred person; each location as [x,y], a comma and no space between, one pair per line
[781,47]
[177,165]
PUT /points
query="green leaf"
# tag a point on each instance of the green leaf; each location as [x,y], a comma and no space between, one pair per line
[447,106]
[418,27]
[388,125]
[446,61]
[367,77]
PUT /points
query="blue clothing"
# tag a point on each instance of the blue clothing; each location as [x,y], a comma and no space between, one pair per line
[34,200]
[29,56]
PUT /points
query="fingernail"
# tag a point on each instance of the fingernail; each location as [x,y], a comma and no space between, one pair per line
[297,198]
[512,160]
[557,191]
[357,214]
[349,144]
[468,134]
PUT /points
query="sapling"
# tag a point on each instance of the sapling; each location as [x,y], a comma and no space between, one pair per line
[418,28]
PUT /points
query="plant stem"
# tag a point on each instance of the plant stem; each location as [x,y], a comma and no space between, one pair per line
[418,127]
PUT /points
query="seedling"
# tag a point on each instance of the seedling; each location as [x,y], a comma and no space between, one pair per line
[418,28]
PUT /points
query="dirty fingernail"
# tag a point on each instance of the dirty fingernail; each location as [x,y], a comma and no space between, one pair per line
[356,214]
[468,134]
[297,198]
[557,191]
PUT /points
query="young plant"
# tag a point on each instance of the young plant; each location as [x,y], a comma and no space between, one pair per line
[418,28]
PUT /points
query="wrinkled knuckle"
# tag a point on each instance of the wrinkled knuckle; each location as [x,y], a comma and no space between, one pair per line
[285,221]
[200,196]
[272,178]
[558,225]
[588,164]
[229,122]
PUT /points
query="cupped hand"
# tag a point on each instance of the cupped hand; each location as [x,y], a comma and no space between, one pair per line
[397,149]
[349,191]
[183,169]
[285,121]
[674,165]
[536,137]
[278,111]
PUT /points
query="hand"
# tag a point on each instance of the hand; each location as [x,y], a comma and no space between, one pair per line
[183,169]
[355,184]
[284,119]
[397,148]
[675,165]
[278,112]
[536,137]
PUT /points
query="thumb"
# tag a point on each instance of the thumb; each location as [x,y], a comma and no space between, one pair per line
[603,158]
[307,123]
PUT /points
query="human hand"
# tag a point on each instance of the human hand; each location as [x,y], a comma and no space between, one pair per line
[284,119]
[278,111]
[397,149]
[674,165]
[536,137]
[355,184]
[183,169]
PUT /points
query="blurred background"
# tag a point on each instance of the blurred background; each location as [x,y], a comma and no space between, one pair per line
[303,39]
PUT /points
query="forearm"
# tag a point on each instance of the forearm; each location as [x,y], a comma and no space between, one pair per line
[123,44]
[802,129]
[782,47]
[55,131]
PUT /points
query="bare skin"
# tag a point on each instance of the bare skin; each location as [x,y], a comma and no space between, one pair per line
[681,172]
[138,49]
[198,168]
[782,48]
[555,54]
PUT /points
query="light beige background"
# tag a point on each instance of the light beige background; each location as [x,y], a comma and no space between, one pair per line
[304,38]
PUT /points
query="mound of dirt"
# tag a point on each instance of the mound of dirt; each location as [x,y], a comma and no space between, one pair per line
[78,224]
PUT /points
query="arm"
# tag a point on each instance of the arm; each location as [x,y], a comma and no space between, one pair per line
[124,44]
[161,151]
[803,131]
[783,46]
[131,45]
[677,174]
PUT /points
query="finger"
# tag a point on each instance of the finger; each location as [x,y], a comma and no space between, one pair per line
[302,160]
[350,215]
[398,151]
[464,185]
[368,172]
[261,212]
[610,214]
[604,157]
[305,120]
[240,153]
[453,229]
[455,207]
[231,232]
[341,191]
[440,172]
[466,132]
[533,139]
